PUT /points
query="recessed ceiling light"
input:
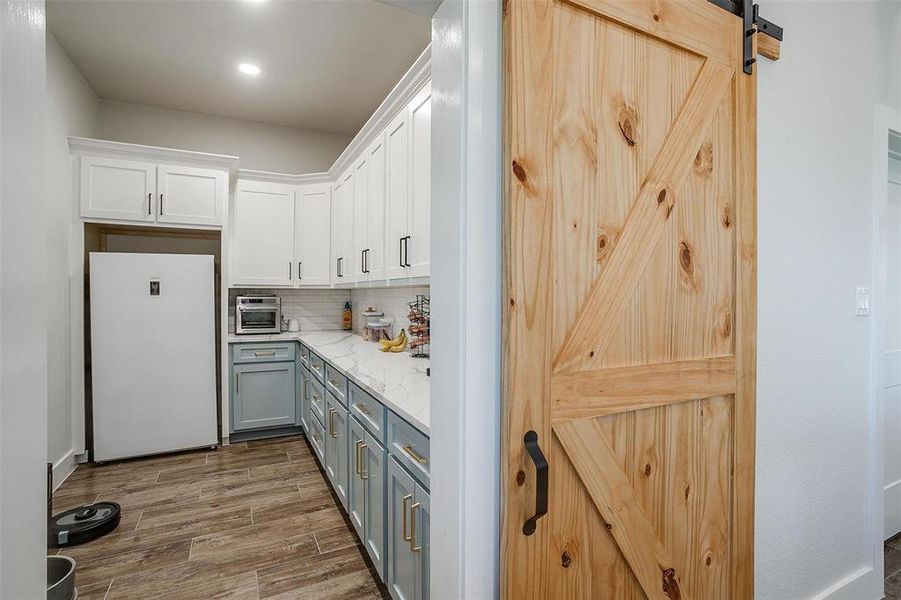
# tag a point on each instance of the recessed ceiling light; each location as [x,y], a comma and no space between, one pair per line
[249,69]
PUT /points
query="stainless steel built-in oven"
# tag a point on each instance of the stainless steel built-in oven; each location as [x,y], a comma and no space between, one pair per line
[258,314]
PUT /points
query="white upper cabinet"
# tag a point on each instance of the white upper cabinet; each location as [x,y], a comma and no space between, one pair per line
[262,249]
[375,211]
[151,186]
[360,213]
[408,189]
[337,230]
[346,223]
[313,232]
[397,175]
[418,232]
[190,195]
[119,189]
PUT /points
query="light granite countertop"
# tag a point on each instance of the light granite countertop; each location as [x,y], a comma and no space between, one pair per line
[396,379]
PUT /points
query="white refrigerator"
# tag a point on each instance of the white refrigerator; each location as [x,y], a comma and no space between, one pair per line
[153,364]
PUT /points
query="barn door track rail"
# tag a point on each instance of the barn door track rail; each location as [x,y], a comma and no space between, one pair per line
[748,12]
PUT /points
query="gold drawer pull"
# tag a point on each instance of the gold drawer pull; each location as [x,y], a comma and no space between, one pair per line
[362,408]
[413,545]
[358,444]
[364,475]
[407,498]
[331,423]
[415,455]
[267,353]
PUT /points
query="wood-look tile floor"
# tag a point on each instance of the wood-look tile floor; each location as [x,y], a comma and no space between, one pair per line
[251,520]
[892,554]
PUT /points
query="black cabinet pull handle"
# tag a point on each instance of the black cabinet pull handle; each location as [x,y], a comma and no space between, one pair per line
[541,479]
[149,203]
[161,204]
[299,272]
[362,261]
[407,251]
[400,252]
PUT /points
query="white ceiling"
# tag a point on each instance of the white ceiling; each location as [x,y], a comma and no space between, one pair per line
[326,64]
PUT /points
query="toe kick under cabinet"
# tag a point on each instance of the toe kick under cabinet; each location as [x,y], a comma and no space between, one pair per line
[378,466]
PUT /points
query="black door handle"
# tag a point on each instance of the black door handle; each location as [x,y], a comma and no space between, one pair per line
[400,252]
[541,479]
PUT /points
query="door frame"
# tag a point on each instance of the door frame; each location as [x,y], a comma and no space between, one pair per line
[466,299]
[885,120]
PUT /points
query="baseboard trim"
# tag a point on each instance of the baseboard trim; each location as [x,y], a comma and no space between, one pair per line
[859,585]
[62,468]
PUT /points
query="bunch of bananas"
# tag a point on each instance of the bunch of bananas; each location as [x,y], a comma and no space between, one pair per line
[398,344]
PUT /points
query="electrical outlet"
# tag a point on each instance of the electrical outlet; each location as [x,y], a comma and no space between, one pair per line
[862,302]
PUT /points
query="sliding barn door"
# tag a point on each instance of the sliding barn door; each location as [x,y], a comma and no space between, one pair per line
[630,274]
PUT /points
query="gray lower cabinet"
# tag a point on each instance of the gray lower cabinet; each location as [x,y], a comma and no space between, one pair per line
[366,492]
[407,553]
[303,384]
[263,395]
[356,488]
[336,430]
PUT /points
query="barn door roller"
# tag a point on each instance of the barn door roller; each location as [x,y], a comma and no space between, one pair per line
[753,23]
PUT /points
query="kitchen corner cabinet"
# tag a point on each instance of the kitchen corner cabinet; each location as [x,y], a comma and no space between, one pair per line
[121,189]
[409,511]
[262,249]
[336,432]
[263,395]
[312,241]
[408,189]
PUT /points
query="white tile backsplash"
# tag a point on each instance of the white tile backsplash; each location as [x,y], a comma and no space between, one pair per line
[317,310]
[320,310]
[391,301]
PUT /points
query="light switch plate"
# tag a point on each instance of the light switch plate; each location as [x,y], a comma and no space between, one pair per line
[862,302]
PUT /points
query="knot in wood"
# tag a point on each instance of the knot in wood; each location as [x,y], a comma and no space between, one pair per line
[671,584]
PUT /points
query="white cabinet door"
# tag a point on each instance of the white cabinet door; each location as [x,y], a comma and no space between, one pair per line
[417,254]
[262,251]
[375,211]
[359,217]
[337,232]
[397,175]
[313,241]
[190,195]
[113,188]
[349,185]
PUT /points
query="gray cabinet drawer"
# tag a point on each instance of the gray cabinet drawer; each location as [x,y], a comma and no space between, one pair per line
[317,399]
[265,352]
[317,366]
[368,411]
[317,438]
[409,446]
[304,356]
[336,383]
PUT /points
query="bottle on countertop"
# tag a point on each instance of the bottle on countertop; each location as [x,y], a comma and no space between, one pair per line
[347,317]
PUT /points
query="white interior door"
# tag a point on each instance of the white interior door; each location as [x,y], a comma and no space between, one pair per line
[190,195]
[263,235]
[152,353]
[314,231]
[892,359]
[117,189]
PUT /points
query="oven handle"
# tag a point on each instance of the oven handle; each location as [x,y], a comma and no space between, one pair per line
[257,308]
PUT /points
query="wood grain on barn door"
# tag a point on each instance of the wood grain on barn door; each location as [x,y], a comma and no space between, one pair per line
[630,274]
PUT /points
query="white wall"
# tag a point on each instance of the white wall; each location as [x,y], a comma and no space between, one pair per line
[23,313]
[260,146]
[816,114]
[72,109]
